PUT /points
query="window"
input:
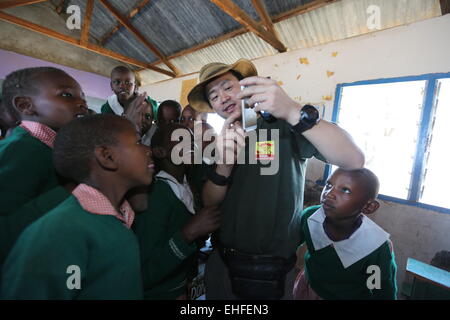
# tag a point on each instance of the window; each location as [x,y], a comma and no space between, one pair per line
[437,171]
[402,125]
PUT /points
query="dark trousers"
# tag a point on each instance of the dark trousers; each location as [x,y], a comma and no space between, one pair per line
[218,284]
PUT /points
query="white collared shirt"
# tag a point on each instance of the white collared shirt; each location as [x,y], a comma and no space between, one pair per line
[365,240]
[115,105]
[182,191]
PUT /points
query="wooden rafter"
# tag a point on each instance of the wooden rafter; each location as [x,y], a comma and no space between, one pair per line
[124,21]
[445,6]
[234,11]
[60,7]
[18,3]
[91,47]
[130,15]
[262,12]
[87,22]
[281,17]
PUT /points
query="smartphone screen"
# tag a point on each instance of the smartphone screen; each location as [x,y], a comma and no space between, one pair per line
[249,118]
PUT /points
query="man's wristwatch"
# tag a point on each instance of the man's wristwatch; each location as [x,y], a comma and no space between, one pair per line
[216,178]
[309,117]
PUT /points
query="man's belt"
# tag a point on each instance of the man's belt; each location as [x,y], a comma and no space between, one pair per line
[262,264]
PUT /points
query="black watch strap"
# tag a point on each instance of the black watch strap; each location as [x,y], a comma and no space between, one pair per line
[309,116]
[216,178]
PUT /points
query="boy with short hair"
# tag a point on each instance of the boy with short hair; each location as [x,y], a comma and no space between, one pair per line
[344,247]
[167,231]
[84,248]
[169,111]
[126,100]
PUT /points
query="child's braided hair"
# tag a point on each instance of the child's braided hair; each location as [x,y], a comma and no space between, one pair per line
[22,83]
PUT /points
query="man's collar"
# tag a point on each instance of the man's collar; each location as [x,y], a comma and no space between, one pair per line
[366,239]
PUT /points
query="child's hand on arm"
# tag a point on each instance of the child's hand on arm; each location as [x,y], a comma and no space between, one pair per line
[202,223]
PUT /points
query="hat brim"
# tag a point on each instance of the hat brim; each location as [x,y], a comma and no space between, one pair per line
[196,96]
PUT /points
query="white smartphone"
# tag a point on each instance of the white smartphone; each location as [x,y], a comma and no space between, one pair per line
[249,117]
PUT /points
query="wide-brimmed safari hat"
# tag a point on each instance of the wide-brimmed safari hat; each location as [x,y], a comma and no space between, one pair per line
[197,97]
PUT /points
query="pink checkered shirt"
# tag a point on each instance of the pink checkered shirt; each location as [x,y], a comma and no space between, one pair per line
[40,131]
[95,202]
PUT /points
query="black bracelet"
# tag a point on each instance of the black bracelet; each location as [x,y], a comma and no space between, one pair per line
[216,178]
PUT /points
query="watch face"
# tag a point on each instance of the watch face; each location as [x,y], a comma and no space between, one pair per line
[310,114]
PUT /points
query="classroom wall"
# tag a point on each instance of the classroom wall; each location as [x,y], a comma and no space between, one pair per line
[95,87]
[311,75]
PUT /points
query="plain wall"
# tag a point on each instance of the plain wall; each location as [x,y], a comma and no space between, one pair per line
[414,49]
[95,87]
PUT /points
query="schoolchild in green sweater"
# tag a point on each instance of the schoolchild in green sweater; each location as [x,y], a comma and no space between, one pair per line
[348,256]
[84,248]
[128,102]
[167,231]
[44,99]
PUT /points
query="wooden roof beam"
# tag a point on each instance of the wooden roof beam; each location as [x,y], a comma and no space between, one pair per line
[445,6]
[234,11]
[283,16]
[262,12]
[60,6]
[18,3]
[124,21]
[87,23]
[91,47]
[130,15]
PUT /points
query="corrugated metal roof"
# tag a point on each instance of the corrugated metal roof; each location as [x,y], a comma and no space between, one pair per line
[174,26]
[103,21]
[337,21]
[348,18]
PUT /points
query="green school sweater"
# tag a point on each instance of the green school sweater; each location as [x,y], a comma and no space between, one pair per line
[26,170]
[167,259]
[331,281]
[28,185]
[104,250]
